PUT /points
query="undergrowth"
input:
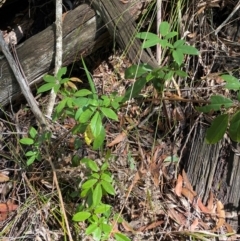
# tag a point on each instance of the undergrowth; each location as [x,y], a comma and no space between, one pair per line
[89,110]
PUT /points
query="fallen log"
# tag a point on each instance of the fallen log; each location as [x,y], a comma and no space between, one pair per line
[118,18]
[83,33]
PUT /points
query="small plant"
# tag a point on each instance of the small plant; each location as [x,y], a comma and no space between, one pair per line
[144,73]
[35,141]
[97,214]
[83,105]
[226,120]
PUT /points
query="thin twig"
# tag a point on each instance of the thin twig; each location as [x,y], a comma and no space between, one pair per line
[58,56]
[230,15]
[22,83]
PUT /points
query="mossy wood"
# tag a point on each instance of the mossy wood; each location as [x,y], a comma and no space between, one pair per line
[214,168]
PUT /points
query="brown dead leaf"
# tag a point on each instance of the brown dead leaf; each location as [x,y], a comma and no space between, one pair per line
[229,228]
[139,174]
[128,227]
[187,183]
[72,85]
[192,35]
[3,177]
[202,207]
[118,139]
[200,10]
[188,194]
[177,217]
[178,188]
[210,202]
[221,215]
[150,226]
[194,224]
[155,165]
[75,79]
[5,209]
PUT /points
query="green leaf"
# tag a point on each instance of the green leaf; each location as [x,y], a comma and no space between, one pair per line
[98,141]
[31,160]
[95,175]
[181,73]
[106,228]
[234,128]
[106,177]
[90,81]
[178,57]
[83,92]
[96,124]
[108,187]
[91,228]
[61,72]
[65,80]
[102,208]
[135,71]
[164,28]
[97,234]
[78,113]
[91,164]
[217,102]
[26,141]
[147,35]
[109,113]
[80,102]
[121,237]
[49,78]
[69,102]
[171,35]
[31,153]
[84,192]
[56,88]
[106,100]
[33,132]
[81,216]
[46,87]
[61,105]
[104,166]
[164,43]
[217,129]
[97,194]
[232,82]
[150,43]
[135,89]
[179,43]
[85,116]
[186,49]
[89,183]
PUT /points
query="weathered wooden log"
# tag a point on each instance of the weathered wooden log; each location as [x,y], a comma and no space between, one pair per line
[119,20]
[83,33]
[215,168]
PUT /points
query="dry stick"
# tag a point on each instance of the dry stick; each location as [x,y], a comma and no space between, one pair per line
[55,180]
[58,64]
[159,20]
[22,83]
[58,57]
